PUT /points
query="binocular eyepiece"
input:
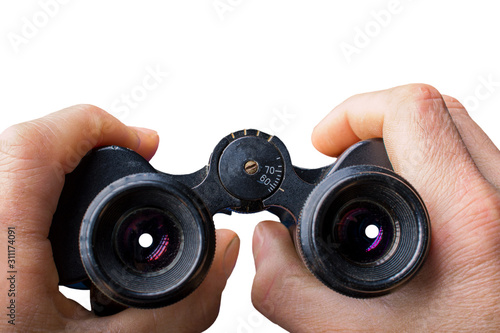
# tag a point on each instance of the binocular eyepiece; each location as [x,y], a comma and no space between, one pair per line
[141,238]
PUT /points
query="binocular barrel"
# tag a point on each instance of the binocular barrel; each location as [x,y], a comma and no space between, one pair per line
[142,238]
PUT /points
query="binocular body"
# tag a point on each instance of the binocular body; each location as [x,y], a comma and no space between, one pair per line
[360,228]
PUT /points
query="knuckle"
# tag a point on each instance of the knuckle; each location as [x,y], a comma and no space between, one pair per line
[420,92]
[486,213]
[452,102]
[271,296]
[89,109]
[422,99]
[93,116]
[93,124]
[450,99]
[25,141]
[475,222]
[258,294]
[42,140]
[264,296]
[423,108]
[456,109]
[97,121]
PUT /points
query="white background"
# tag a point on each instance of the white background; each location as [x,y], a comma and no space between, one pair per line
[278,66]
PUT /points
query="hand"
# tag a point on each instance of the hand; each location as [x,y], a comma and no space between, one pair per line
[434,144]
[34,157]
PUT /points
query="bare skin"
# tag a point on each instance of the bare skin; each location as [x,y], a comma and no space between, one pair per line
[433,143]
[34,157]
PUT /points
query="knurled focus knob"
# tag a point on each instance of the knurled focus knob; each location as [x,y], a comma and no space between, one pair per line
[251,166]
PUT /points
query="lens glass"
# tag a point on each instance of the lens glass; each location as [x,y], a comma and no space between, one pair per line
[364,232]
[148,240]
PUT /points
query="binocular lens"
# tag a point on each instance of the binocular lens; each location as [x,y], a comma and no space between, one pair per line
[148,240]
[364,231]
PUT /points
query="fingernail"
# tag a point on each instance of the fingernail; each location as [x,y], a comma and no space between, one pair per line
[146,132]
[230,256]
[148,142]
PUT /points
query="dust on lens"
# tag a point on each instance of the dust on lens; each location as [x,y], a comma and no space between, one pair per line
[148,240]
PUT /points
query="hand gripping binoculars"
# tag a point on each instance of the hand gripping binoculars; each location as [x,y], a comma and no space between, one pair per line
[361,229]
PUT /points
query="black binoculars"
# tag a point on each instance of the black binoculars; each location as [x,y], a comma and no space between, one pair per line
[141,238]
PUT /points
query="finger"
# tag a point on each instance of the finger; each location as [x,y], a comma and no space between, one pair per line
[289,295]
[195,313]
[64,137]
[35,156]
[483,151]
[279,273]
[421,139]
[149,141]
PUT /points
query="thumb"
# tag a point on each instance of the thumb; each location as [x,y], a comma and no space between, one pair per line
[289,295]
[283,285]
[194,313]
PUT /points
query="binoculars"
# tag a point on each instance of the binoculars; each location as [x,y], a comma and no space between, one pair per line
[141,238]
